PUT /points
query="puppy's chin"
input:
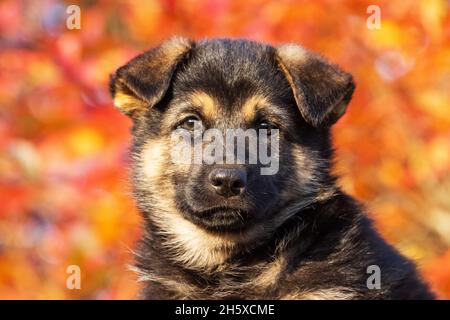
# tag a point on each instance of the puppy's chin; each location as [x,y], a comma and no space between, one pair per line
[220,219]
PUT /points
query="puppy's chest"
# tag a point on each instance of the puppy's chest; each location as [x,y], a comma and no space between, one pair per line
[257,283]
[268,282]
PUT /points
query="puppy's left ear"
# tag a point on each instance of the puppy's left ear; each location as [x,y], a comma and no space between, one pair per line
[322,91]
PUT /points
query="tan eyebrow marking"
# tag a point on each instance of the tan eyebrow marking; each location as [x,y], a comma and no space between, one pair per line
[204,101]
[251,105]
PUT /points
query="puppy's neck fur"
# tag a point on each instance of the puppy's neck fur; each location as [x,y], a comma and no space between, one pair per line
[183,264]
[207,252]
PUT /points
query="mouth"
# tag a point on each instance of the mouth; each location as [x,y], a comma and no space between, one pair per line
[219,219]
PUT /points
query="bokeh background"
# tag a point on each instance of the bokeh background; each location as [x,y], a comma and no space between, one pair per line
[64,195]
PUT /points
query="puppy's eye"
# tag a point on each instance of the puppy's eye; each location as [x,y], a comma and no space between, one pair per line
[267,125]
[190,123]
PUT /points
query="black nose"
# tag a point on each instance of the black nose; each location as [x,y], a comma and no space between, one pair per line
[228,182]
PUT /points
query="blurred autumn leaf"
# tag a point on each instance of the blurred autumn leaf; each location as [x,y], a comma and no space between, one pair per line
[64,196]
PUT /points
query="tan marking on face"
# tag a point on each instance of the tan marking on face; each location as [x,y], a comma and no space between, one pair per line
[155,173]
[152,159]
[205,102]
[323,294]
[158,160]
[251,105]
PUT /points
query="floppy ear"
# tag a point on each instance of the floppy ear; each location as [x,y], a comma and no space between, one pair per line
[322,91]
[143,81]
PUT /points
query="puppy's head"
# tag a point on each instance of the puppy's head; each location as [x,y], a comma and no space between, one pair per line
[207,89]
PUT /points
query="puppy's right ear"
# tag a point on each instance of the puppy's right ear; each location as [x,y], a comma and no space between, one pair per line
[142,82]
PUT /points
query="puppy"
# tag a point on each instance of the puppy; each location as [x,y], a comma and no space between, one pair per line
[225,229]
